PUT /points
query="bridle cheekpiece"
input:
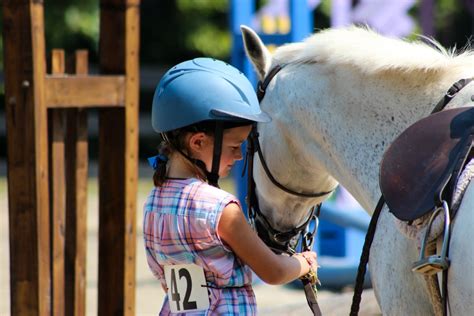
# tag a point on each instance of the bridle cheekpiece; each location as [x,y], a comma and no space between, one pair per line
[278,241]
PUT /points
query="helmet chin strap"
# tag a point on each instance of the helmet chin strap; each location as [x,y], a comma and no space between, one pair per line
[213,176]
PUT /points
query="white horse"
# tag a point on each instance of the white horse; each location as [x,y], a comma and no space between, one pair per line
[342,96]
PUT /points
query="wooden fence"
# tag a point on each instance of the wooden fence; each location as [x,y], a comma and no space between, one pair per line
[47,163]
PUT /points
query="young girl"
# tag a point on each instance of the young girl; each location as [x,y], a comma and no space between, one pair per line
[197,240]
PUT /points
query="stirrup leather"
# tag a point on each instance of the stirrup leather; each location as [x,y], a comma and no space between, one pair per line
[434,263]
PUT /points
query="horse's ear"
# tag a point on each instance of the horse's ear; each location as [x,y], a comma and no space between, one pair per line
[257,52]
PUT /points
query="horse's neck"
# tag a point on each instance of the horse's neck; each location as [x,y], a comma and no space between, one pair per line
[350,120]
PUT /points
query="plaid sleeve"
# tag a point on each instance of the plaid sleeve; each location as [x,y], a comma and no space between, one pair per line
[229,198]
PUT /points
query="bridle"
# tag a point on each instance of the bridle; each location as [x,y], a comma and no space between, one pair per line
[278,241]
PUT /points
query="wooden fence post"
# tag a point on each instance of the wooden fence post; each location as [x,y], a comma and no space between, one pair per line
[27,157]
[57,182]
[76,199]
[118,147]
[48,251]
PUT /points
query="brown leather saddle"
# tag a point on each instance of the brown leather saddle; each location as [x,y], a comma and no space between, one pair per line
[420,168]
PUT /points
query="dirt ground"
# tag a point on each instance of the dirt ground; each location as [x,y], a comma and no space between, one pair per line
[271,300]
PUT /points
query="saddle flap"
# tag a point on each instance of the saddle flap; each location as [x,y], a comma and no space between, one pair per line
[418,164]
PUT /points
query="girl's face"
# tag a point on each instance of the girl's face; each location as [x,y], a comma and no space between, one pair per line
[203,145]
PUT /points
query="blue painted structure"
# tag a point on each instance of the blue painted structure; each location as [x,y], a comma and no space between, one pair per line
[338,245]
[241,13]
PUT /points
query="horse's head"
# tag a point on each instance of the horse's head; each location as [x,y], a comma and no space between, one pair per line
[283,149]
[341,97]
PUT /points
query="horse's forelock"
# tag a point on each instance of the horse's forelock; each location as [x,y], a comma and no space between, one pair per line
[373,53]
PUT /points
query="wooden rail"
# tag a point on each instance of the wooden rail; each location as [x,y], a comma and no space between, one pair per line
[88,91]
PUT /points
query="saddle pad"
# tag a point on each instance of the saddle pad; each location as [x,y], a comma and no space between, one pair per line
[418,164]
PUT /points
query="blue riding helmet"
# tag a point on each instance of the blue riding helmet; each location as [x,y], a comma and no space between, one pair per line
[204,89]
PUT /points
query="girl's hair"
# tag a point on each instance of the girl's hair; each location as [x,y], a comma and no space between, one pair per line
[175,142]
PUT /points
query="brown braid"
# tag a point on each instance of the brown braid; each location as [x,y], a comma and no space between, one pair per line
[160,172]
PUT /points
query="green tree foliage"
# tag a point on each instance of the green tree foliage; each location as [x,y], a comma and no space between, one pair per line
[172,31]
[71,25]
[454,23]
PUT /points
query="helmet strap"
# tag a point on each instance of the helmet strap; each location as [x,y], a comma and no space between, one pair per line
[199,163]
[165,138]
[213,176]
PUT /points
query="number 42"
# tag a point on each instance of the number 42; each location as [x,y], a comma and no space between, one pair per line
[187,304]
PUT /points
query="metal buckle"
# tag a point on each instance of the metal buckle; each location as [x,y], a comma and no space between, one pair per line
[311,276]
[251,217]
[435,263]
[308,236]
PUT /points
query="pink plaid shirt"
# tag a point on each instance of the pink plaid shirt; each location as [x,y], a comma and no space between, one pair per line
[180,226]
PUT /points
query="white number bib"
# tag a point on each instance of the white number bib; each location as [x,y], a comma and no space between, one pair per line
[186,288]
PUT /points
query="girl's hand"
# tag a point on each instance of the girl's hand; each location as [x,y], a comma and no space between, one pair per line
[274,269]
[308,259]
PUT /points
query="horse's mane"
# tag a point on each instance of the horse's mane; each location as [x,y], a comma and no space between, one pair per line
[371,52]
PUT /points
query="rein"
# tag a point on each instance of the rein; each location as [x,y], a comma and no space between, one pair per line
[364,259]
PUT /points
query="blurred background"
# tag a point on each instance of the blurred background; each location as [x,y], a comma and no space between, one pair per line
[176,30]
